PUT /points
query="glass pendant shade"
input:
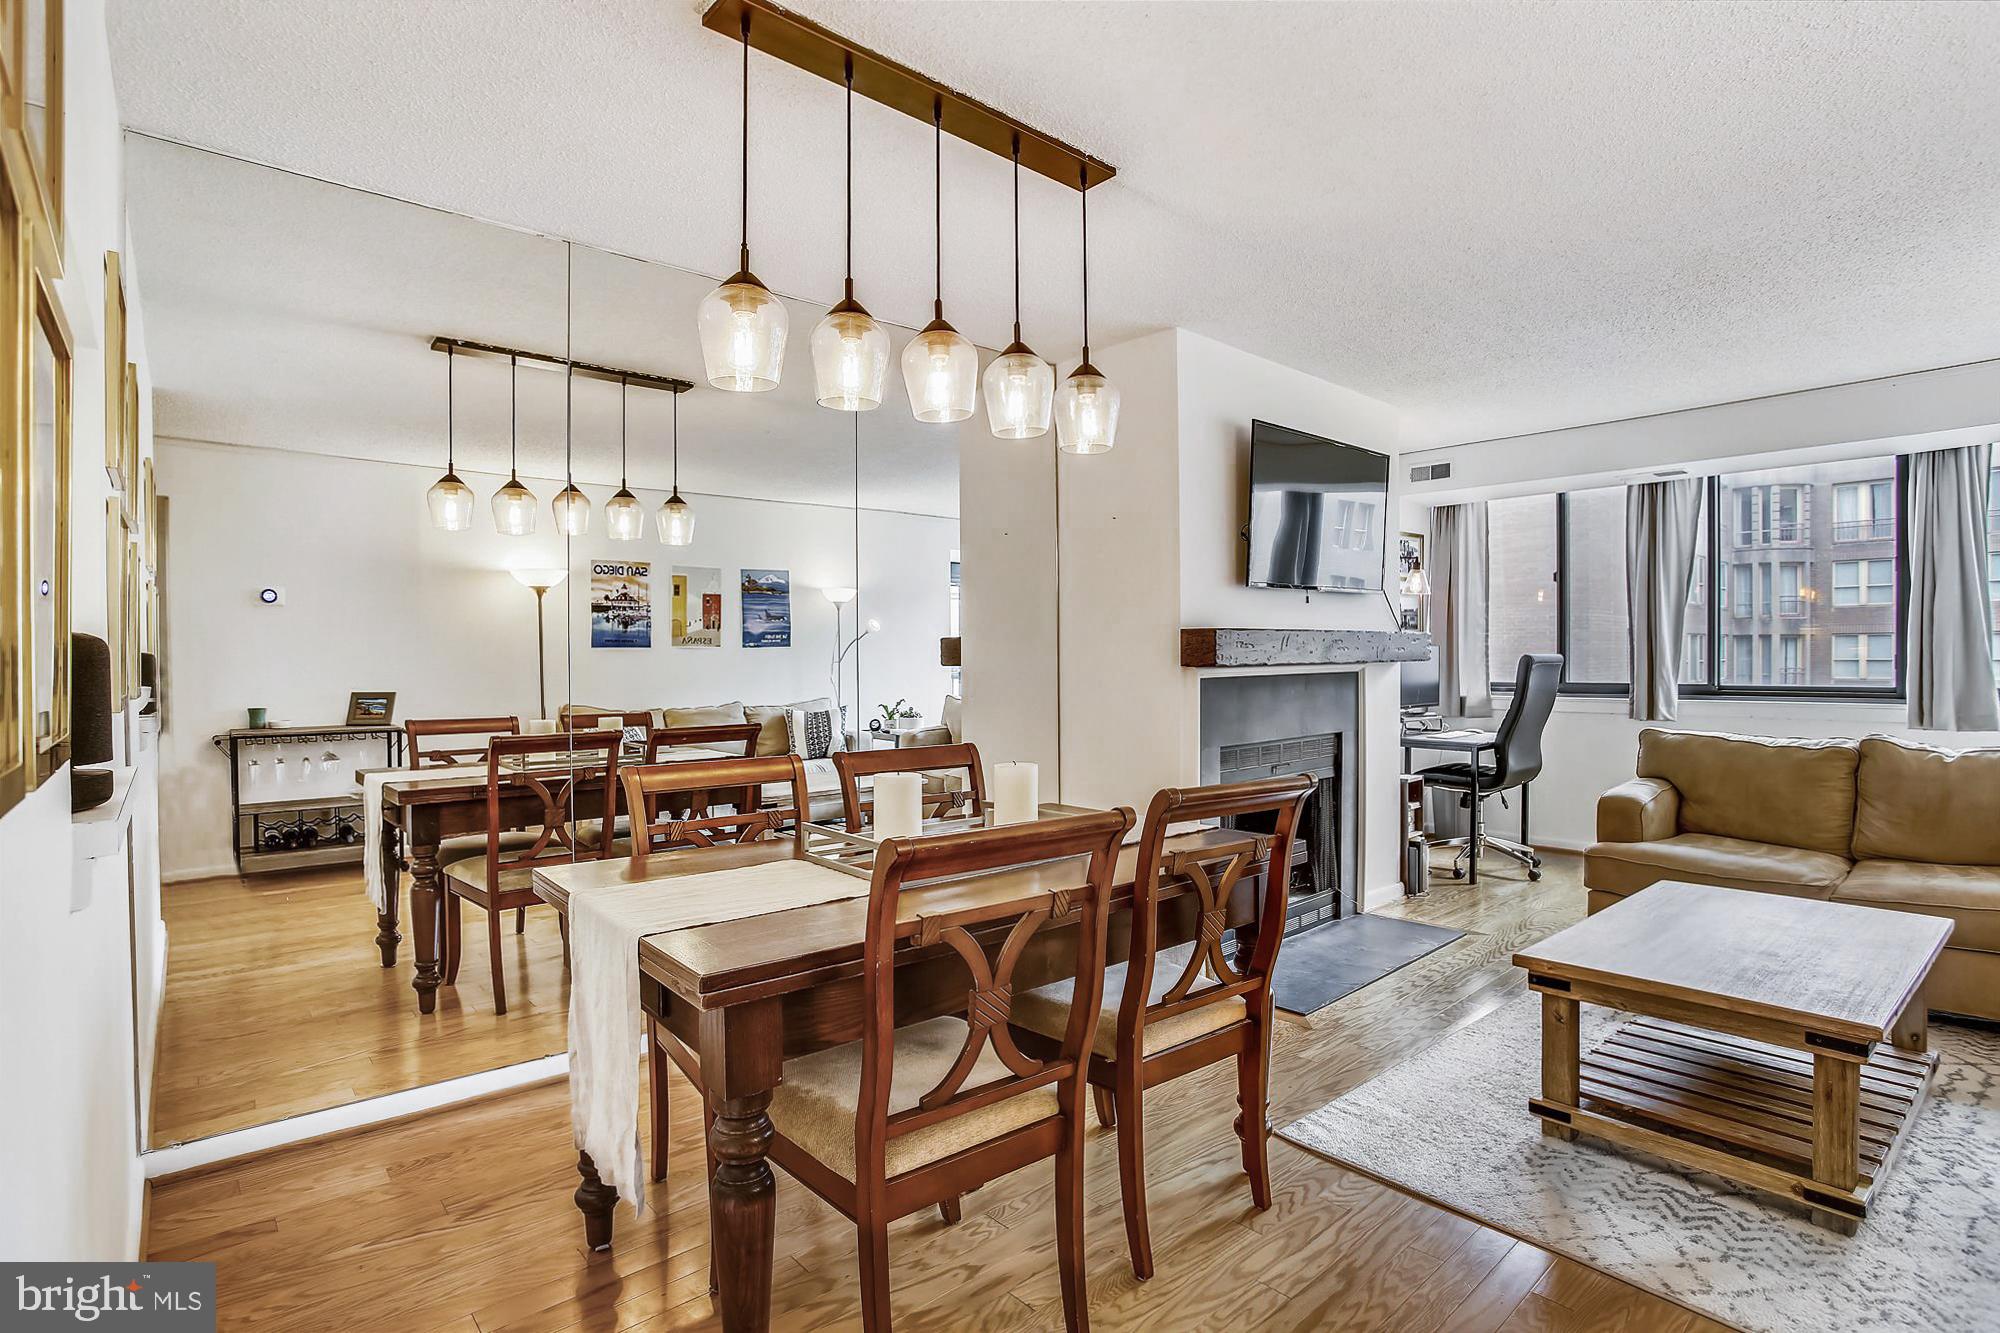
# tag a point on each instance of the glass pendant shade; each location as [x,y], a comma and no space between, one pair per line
[850,354]
[572,508]
[514,509]
[450,502]
[624,517]
[1086,412]
[677,521]
[1020,394]
[742,328]
[941,372]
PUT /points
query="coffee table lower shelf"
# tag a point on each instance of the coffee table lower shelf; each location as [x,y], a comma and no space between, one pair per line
[1738,1108]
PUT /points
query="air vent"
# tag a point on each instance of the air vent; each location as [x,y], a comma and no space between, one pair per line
[1430,472]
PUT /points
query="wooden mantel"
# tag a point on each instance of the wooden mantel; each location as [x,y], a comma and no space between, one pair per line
[1300,647]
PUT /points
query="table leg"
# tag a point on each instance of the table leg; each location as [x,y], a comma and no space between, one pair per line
[426,910]
[1561,1054]
[1836,1131]
[387,936]
[742,1050]
[1912,1031]
[1477,828]
[597,1202]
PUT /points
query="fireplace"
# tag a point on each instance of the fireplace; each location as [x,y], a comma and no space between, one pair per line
[1306,722]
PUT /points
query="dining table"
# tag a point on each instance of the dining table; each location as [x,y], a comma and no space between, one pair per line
[747,994]
[421,812]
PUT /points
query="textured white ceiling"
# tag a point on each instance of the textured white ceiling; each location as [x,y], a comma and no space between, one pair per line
[288,313]
[1499,217]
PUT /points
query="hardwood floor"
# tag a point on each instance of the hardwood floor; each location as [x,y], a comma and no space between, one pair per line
[462,1221]
[277,1003]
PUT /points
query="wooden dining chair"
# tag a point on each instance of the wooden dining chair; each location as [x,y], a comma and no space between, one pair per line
[908,1117]
[962,757]
[672,807]
[729,738]
[471,733]
[502,876]
[1159,1024]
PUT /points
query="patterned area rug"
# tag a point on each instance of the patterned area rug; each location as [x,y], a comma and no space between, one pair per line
[1452,1125]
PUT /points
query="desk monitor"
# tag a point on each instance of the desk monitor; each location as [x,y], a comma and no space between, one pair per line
[1420,683]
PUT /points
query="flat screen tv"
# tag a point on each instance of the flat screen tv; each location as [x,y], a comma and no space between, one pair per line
[1318,512]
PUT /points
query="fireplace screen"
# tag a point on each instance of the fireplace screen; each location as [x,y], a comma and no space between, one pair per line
[1315,874]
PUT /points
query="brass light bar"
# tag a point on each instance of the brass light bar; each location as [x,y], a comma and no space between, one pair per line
[585,369]
[799,41]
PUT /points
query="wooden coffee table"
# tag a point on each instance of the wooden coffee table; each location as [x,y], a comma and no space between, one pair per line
[1757,1053]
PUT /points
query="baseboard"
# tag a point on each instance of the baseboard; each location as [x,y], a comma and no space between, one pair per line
[225,870]
[185,1159]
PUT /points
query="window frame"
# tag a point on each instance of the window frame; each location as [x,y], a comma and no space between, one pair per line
[1713,615]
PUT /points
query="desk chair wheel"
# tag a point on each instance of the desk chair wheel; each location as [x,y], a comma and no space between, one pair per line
[1458,872]
[1534,873]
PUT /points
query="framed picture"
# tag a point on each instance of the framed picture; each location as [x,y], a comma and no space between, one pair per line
[17,756]
[114,370]
[33,143]
[149,508]
[48,476]
[115,609]
[13,55]
[697,607]
[371,708]
[129,445]
[135,615]
[1410,579]
[767,608]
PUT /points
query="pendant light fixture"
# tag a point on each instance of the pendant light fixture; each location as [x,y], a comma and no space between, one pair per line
[676,515]
[1087,403]
[572,506]
[850,351]
[940,368]
[1020,386]
[742,325]
[514,504]
[449,499]
[624,516]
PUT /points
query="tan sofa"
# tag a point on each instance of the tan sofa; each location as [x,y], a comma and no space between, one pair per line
[1878,822]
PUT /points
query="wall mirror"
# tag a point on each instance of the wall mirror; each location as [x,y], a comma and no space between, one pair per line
[302,415]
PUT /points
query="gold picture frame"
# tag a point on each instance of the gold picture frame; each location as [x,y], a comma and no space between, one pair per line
[135,603]
[129,447]
[13,48]
[17,757]
[114,370]
[49,379]
[115,544]
[41,125]
[149,514]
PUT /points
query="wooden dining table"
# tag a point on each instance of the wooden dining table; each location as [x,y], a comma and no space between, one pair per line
[746,995]
[419,815]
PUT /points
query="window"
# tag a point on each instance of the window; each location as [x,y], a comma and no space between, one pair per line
[1864,511]
[1791,660]
[1739,665]
[1864,657]
[1737,595]
[1521,574]
[1694,651]
[1864,582]
[1597,642]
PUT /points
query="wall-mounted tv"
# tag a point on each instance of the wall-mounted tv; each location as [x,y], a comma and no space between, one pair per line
[1318,512]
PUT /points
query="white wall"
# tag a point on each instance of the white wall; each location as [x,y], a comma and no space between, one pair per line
[376,598]
[68,1125]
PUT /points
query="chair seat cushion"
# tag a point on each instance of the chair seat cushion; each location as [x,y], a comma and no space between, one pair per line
[1707,858]
[1046,1010]
[1460,775]
[474,844]
[1969,895]
[814,1107]
[472,872]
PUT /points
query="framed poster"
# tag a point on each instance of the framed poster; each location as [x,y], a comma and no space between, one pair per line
[115,609]
[697,607]
[767,608]
[48,382]
[114,371]
[129,446]
[621,604]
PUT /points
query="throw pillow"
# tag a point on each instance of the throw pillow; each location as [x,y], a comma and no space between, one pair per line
[775,737]
[714,715]
[815,729]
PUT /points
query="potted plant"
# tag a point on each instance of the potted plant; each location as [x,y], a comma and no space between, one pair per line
[900,716]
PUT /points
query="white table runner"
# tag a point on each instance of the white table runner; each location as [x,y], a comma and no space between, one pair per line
[606,923]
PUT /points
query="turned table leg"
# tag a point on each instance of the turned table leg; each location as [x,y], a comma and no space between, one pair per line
[742,1051]
[425,913]
[387,936]
[597,1202]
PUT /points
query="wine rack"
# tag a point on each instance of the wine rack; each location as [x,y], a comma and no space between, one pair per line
[278,828]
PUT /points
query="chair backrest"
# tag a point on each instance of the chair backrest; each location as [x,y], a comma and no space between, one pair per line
[564,788]
[852,765]
[1517,752]
[1042,874]
[689,791]
[731,738]
[1209,975]
[460,729]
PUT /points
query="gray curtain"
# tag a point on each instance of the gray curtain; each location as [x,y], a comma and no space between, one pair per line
[1948,635]
[1459,578]
[1662,526]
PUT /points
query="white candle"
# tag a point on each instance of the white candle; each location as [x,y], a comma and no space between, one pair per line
[1014,794]
[899,805]
[539,726]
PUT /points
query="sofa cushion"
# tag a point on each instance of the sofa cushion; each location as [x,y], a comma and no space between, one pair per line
[1791,792]
[952,717]
[711,715]
[774,738]
[1915,803]
[1704,858]
[1969,895]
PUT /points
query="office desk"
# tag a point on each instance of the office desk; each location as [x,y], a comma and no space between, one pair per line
[1468,743]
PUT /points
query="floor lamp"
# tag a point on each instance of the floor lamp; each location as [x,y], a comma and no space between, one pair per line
[840,597]
[541,580]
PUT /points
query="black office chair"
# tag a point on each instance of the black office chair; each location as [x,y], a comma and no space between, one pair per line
[1517,759]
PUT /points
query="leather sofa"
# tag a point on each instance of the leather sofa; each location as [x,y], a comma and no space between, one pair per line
[1878,822]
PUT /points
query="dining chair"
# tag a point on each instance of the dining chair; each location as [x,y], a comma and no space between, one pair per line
[472,733]
[962,757]
[906,1118]
[502,875]
[682,788]
[730,738]
[1159,1023]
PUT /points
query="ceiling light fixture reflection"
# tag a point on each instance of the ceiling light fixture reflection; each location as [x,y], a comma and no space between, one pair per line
[449,499]
[624,516]
[676,515]
[514,504]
